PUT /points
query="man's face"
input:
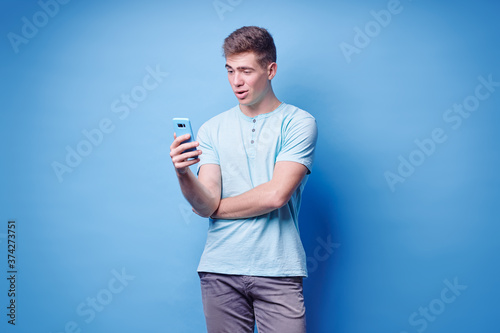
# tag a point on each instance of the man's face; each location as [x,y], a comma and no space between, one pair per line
[249,81]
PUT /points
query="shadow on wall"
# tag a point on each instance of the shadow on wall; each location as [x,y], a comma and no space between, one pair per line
[318,231]
[317,219]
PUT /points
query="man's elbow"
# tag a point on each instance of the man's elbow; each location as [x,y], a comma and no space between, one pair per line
[206,212]
[278,200]
[208,209]
[200,212]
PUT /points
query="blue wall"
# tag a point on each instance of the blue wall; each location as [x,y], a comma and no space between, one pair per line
[400,215]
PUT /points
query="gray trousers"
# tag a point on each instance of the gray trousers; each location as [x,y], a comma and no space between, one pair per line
[233,303]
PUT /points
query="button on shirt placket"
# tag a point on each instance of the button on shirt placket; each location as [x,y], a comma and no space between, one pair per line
[252,140]
[253,132]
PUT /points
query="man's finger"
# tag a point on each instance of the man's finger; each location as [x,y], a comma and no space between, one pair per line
[181,165]
[178,140]
[178,150]
[183,137]
[188,145]
[184,156]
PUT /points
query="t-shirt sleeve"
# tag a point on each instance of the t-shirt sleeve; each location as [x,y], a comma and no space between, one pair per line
[209,153]
[299,142]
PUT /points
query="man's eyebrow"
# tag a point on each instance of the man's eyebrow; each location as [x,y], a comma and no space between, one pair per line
[242,68]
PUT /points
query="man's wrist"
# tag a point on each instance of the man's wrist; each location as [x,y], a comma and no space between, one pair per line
[181,172]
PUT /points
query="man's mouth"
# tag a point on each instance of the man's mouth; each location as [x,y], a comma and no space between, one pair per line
[241,94]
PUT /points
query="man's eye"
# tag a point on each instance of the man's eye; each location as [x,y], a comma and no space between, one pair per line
[247,72]
[230,72]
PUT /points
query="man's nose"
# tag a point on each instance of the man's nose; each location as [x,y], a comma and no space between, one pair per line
[237,79]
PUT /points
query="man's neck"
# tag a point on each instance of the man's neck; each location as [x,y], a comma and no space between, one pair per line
[267,105]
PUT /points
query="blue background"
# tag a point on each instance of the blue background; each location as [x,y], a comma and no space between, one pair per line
[120,210]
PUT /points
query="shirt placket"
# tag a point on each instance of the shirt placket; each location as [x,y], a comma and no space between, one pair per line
[253,139]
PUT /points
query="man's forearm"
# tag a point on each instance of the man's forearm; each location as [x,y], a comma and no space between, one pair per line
[198,195]
[266,197]
[257,201]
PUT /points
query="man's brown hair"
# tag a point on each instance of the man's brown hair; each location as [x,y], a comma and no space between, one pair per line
[251,39]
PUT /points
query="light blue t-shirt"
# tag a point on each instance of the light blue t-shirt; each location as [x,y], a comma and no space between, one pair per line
[247,149]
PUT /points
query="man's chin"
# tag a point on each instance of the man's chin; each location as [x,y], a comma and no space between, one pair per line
[245,101]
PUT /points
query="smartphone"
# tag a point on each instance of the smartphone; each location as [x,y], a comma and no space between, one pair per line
[183,126]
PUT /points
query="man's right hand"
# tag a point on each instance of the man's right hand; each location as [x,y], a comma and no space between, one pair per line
[181,160]
[204,192]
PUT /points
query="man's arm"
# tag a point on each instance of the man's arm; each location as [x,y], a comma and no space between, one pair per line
[203,193]
[266,197]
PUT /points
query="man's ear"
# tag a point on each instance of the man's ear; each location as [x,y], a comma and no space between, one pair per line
[271,70]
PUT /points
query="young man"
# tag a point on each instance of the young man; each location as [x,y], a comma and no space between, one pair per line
[253,163]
